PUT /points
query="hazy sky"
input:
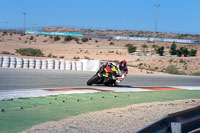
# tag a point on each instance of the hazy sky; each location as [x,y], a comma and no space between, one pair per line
[176,16]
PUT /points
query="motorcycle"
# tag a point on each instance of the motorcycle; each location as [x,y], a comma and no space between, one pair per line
[105,75]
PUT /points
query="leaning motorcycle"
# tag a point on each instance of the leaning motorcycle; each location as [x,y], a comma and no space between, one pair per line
[105,75]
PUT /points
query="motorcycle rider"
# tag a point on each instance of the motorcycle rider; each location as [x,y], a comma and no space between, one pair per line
[118,71]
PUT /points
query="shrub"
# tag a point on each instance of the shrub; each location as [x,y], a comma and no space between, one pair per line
[173,70]
[76,57]
[76,39]
[195,74]
[131,49]
[30,52]
[61,57]
[31,38]
[144,47]
[4,33]
[193,52]
[49,55]
[68,38]
[55,56]
[112,43]
[128,45]
[56,38]
[5,52]
[84,39]
[155,47]
[85,57]
[182,61]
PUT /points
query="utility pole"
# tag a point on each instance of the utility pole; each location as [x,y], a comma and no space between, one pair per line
[24,21]
[156,6]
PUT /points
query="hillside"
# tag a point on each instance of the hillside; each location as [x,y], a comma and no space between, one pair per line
[130,33]
[106,50]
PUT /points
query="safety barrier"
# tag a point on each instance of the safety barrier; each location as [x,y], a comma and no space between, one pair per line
[55,33]
[148,39]
[62,64]
[179,122]
[82,65]
[6,62]
[68,65]
[38,64]
[31,63]
[12,62]
[44,64]
[1,60]
[25,63]
[19,62]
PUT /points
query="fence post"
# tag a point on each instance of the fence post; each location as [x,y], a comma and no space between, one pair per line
[176,127]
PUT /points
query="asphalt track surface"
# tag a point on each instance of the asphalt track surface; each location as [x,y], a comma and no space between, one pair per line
[16,79]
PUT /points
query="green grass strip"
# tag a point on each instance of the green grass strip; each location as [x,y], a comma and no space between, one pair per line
[20,114]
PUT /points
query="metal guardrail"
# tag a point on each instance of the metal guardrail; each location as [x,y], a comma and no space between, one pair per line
[179,122]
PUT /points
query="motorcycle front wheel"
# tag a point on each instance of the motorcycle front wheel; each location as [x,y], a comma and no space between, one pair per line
[93,80]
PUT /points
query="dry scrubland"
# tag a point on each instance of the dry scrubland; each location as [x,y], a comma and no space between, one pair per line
[106,50]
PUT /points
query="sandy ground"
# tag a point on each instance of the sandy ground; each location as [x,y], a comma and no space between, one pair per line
[101,49]
[127,119]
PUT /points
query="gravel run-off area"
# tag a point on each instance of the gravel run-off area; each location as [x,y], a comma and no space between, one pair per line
[118,120]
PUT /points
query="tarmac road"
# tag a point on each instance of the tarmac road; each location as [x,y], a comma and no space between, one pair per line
[15,79]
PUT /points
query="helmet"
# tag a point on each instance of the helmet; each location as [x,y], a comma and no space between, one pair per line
[123,66]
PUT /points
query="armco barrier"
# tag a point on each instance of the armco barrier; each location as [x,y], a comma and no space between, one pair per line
[180,122]
[82,65]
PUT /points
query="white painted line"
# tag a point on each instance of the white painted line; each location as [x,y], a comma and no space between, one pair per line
[123,89]
[9,94]
[187,87]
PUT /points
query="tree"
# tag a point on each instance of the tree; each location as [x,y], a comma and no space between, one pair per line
[173,50]
[160,51]
[184,51]
[193,52]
